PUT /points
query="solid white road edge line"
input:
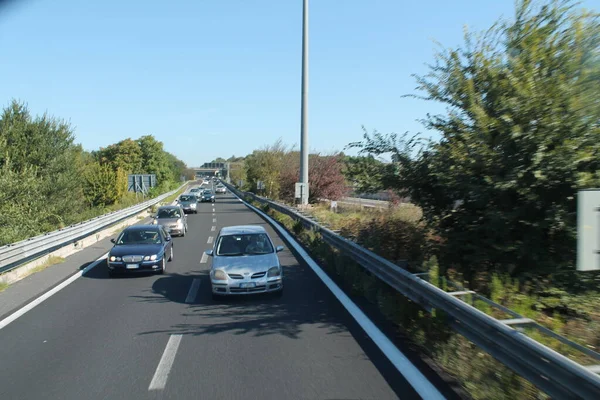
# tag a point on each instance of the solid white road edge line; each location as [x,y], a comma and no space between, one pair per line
[193,291]
[412,374]
[29,306]
[204,258]
[210,239]
[159,380]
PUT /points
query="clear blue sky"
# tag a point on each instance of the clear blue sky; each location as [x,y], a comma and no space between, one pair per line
[222,77]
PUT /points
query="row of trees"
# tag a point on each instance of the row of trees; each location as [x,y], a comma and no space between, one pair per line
[277,166]
[47,181]
[520,137]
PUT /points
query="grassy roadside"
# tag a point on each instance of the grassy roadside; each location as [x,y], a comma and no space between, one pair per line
[481,376]
[398,233]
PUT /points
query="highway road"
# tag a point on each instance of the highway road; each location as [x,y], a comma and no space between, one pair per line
[163,337]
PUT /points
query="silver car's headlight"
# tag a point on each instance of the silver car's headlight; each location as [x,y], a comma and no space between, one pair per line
[113,258]
[274,271]
[219,275]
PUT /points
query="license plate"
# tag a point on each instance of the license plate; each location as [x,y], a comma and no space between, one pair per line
[132,266]
[247,285]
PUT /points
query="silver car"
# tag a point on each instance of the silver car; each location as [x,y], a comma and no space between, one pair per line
[245,261]
[173,218]
[220,190]
[189,203]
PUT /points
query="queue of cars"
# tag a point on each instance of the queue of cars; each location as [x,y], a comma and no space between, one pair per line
[244,258]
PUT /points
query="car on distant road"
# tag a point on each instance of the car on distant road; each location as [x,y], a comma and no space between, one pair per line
[141,248]
[245,261]
[207,195]
[221,190]
[173,218]
[189,203]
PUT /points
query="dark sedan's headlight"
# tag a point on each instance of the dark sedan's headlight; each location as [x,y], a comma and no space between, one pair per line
[113,258]
[151,258]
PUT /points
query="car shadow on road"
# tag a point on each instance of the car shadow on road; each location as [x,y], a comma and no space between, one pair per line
[306,304]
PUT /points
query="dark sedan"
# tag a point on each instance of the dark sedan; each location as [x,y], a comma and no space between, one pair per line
[141,248]
[207,195]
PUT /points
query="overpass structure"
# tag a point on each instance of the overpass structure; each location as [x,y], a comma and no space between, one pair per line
[222,170]
[213,169]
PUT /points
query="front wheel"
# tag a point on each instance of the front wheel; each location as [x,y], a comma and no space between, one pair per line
[163,266]
[171,255]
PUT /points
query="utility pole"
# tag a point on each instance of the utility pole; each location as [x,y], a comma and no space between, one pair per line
[304,109]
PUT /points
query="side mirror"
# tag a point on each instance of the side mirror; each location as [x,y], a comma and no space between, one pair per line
[113,241]
[279,249]
[209,253]
[168,238]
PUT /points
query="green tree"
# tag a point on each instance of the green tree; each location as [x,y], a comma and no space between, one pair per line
[265,165]
[365,173]
[43,148]
[155,160]
[126,154]
[101,185]
[521,136]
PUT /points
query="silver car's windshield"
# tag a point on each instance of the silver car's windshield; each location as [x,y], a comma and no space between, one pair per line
[246,244]
[187,198]
[139,237]
[169,213]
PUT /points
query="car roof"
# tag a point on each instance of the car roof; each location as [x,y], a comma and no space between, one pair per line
[167,207]
[142,227]
[242,229]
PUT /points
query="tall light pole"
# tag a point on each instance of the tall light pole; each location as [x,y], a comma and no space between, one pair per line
[304,109]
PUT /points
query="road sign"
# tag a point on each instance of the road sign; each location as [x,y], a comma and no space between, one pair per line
[588,230]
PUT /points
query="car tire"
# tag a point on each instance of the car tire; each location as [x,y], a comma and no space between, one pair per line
[171,255]
[163,267]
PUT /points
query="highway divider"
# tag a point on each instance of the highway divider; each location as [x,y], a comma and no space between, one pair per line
[551,372]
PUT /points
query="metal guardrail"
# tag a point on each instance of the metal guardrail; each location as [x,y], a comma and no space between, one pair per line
[549,370]
[16,254]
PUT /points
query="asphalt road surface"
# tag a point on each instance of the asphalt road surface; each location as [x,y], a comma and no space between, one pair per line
[163,337]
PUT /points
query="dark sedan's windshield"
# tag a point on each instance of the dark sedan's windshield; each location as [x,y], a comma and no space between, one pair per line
[169,213]
[139,237]
[207,192]
[248,244]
